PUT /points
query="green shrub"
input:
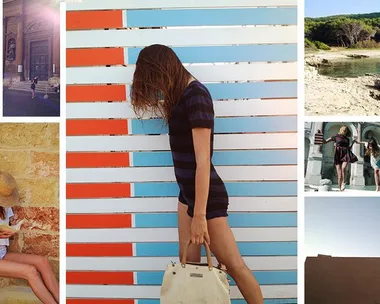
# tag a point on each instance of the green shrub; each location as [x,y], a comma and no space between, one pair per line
[309,44]
[367,44]
[322,46]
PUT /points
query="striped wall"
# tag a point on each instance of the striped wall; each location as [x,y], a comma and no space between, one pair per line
[121,190]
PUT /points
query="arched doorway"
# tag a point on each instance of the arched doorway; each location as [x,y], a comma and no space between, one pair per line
[368,133]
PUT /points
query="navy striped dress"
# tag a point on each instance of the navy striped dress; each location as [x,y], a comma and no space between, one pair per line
[194,110]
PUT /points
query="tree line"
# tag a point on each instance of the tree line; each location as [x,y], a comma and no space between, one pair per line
[360,31]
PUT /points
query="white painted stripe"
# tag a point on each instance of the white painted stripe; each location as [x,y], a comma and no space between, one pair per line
[160,263]
[182,37]
[166,174]
[125,57]
[153,292]
[161,142]
[171,235]
[210,73]
[151,4]
[230,108]
[170,204]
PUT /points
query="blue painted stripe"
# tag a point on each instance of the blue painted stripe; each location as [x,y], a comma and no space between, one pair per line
[210,17]
[243,53]
[261,219]
[252,90]
[246,249]
[266,301]
[234,189]
[280,89]
[222,158]
[225,125]
[263,277]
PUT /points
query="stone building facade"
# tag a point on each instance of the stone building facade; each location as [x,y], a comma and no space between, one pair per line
[319,160]
[337,280]
[31,30]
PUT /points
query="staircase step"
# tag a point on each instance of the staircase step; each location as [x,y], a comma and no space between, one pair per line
[18,295]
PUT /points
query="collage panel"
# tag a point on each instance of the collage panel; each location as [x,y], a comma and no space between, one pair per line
[29,213]
[125,175]
[342,58]
[31,58]
[342,156]
[342,252]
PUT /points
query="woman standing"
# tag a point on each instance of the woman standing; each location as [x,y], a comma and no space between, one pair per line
[373,151]
[33,86]
[162,84]
[32,268]
[342,154]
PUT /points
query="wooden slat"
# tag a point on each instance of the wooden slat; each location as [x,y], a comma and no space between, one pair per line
[99,277]
[148,4]
[98,221]
[99,250]
[182,37]
[97,190]
[226,72]
[94,19]
[94,57]
[96,93]
[92,160]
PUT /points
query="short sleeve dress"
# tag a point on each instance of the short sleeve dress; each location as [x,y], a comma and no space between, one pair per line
[194,110]
[343,151]
[4,243]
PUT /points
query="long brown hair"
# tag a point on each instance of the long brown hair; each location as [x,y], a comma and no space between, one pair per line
[375,150]
[159,81]
[2,213]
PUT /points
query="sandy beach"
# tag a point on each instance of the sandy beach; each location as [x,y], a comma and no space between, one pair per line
[326,95]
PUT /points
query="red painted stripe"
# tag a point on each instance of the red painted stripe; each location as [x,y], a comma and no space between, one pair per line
[81,20]
[99,250]
[99,301]
[98,190]
[78,221]
[88,93]
[97,159]
[94,57]
[100,278]
[96,127]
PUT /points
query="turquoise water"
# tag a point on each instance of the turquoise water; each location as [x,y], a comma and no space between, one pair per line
[352,67]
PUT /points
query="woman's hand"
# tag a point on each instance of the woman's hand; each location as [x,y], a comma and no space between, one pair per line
[6,234]
[199,231]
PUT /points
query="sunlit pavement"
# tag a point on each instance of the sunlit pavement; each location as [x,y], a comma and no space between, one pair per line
[19,103]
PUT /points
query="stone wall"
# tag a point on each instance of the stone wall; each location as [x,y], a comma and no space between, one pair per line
[30,152]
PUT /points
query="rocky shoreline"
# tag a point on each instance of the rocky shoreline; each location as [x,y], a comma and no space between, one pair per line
[326,95]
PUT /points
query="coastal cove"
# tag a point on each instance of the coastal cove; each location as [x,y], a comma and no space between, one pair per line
[351,67]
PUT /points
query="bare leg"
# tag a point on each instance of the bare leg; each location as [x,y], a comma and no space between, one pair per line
[339,172]
[11,269]
[42,265]
[344,167]
[224,247]
[376,172]
[184,232]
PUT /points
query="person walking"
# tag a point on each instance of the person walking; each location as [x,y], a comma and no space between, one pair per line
[162,85]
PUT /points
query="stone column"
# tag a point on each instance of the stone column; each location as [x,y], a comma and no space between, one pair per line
[357,169]
[20,46]
[314,165]
[56,45]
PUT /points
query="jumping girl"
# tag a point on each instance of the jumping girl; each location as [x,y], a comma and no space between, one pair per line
[162,84]
[342,154]
[33,268]
[373,151]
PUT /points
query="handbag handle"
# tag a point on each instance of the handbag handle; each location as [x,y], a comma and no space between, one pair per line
[208,254]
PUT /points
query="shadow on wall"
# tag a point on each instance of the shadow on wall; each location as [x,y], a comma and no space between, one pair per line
[338,280]
[30,152]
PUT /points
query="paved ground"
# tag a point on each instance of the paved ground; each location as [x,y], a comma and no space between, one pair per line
[18,103]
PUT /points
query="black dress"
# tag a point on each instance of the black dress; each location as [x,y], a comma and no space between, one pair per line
[343,151]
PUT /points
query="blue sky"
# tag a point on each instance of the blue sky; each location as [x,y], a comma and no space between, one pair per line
[322,8]
[342,227]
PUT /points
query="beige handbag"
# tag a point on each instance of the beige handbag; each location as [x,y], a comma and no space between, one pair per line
[194,283]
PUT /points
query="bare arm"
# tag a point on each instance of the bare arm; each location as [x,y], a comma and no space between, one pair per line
[201,139]
[327,140]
